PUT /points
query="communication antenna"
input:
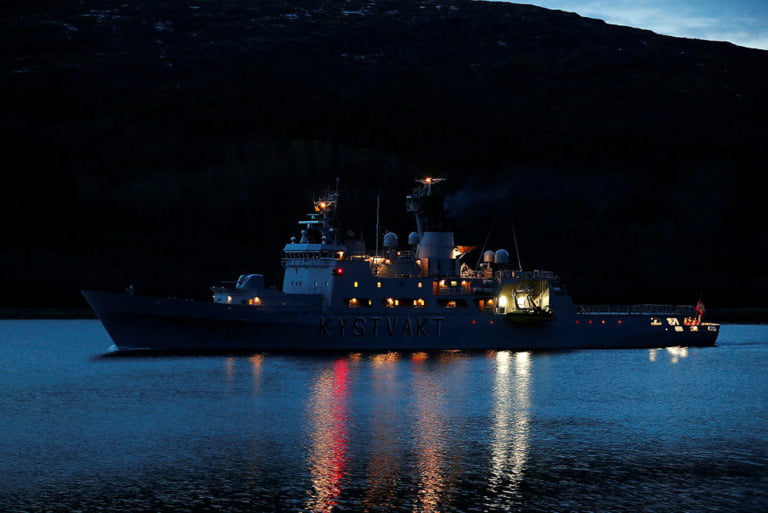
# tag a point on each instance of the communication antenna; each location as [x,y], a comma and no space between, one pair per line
[479,258]
[377,223]
[517,251]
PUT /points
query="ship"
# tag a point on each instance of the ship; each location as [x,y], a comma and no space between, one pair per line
[423,295]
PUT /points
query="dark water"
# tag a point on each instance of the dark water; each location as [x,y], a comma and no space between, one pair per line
[683,430]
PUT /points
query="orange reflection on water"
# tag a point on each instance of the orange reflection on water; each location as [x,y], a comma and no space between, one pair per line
[384,358]
[383,466]
[257,362]
[229,369]
[510,441]
[328,453]
[430,437]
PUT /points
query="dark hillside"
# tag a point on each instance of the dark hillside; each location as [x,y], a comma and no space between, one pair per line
[170,144]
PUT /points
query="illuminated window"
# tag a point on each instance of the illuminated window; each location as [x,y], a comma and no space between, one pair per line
[378,284]
[452,303]
[678,328]
[229,299]
[255,301]
[354,302]
[355,284]
[400,302]
[485,304]
[421,285]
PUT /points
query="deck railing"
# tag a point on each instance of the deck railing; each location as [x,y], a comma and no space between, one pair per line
[687,310]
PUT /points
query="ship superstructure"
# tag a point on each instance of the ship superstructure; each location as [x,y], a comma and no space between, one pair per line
[420,295]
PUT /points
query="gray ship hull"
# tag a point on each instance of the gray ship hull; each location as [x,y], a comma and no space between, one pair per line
[141,323]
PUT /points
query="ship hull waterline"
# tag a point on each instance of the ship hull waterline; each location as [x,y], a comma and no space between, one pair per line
[153,324]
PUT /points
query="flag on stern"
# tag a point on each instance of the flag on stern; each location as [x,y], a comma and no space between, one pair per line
[700,309]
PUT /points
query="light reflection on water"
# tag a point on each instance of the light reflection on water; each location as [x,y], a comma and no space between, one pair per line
[675,353]
[383,468]
[328,453]
[430,431]
[256,361]
[511,424]
[679,429]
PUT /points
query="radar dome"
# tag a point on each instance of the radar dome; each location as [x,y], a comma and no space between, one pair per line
[488,256]
[390,240]
[414,239]
[502,256]
[250,281]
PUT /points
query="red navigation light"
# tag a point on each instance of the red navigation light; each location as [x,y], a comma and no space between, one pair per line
[338,271]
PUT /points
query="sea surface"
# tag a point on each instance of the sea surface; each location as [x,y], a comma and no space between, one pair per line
[667,430]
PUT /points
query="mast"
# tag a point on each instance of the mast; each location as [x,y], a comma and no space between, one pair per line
[517,251]
[426,203]
[436,249]
[377,224]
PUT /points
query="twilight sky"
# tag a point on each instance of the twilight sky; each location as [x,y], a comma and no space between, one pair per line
[742,22]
